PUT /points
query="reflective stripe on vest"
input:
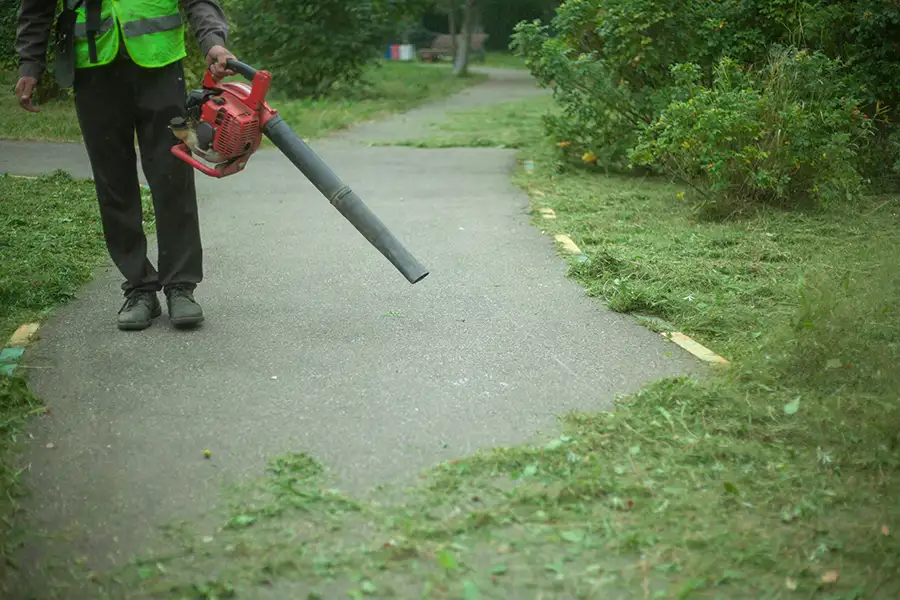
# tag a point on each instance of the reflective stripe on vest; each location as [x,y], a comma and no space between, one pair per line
[151,39]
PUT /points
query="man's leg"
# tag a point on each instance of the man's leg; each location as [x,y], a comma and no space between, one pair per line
[160,95]
[104,104]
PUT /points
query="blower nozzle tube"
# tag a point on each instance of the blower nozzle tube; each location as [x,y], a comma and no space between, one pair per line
[343,198]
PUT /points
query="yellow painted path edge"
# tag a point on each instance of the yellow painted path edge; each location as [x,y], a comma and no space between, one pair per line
[11,353]
[691,345]
[567,243]
[23,335]
[694,347]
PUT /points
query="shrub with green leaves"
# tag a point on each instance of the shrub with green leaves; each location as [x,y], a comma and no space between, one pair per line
[313,46]
[9,13]
[787,132]
[608,61]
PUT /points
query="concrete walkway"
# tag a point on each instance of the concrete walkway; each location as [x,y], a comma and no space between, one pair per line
[313,342]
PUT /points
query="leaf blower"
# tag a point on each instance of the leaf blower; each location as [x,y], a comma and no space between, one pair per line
[223,126]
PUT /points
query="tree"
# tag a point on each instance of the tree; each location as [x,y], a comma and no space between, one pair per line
[461,65]
[451,9]
[317,46]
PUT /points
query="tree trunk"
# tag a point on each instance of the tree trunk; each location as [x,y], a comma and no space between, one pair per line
[451,14]
[461,68]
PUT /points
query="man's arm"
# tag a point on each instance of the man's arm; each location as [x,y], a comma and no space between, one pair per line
[208,23]
[32,36]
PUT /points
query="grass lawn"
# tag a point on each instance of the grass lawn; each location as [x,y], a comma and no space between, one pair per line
[492,59]
[776,477]
[50,241]
[395,87]
[505,60]
[502,125]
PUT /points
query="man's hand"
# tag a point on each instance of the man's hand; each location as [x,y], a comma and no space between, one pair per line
[216,58]
[24,92]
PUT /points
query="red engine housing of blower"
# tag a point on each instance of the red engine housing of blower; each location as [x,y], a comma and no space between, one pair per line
[236,114]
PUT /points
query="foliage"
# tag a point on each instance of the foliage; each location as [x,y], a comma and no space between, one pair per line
[9,62]
[789,132]
[314,46]
[9,14]
[608,63]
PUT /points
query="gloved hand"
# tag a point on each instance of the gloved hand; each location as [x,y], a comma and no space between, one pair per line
[24,92]
[216,58]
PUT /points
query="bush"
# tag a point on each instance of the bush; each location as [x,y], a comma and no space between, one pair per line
[788,132]
[608,61]
[9,59]
[9,13]
[313,46]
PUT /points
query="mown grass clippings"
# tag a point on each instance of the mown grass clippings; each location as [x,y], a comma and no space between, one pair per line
[773,479]
[52,240]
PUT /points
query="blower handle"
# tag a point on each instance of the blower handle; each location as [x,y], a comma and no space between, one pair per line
[244,69]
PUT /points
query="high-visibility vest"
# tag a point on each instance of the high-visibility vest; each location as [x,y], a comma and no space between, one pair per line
[152,30]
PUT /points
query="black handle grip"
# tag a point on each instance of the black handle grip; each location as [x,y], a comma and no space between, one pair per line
[240,68]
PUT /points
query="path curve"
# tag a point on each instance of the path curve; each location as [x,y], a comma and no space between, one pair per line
[314,343]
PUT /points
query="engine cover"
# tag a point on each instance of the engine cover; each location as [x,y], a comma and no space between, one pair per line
[236,127]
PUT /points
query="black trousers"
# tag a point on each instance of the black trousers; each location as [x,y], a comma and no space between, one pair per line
[113,102]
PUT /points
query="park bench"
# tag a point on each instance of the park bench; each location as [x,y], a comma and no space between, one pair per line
[442,47]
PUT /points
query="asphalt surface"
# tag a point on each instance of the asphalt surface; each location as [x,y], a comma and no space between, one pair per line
[314,343]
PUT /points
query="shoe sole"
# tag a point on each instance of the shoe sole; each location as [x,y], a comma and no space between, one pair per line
[141,326]
[186,322]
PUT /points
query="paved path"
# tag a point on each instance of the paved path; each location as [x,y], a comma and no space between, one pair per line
[313,342]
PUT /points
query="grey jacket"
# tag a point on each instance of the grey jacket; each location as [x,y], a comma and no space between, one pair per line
[36,18]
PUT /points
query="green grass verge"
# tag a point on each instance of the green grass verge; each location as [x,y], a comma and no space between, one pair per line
[503,60]
[496,126]
[774,478]
[492,59]
[393,87]
[50,242]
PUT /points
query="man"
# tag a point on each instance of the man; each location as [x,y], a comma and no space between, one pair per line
[124,63]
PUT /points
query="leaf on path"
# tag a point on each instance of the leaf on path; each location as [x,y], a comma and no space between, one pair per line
[830,576]
[789,516]
[447,560]
[792,407]
[554,444]
[242,521]
[50,445]
[573,536]
[470,591]
[368,588]
[791,584]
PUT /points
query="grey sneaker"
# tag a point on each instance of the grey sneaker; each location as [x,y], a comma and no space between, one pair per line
[139,311]
[183,309]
